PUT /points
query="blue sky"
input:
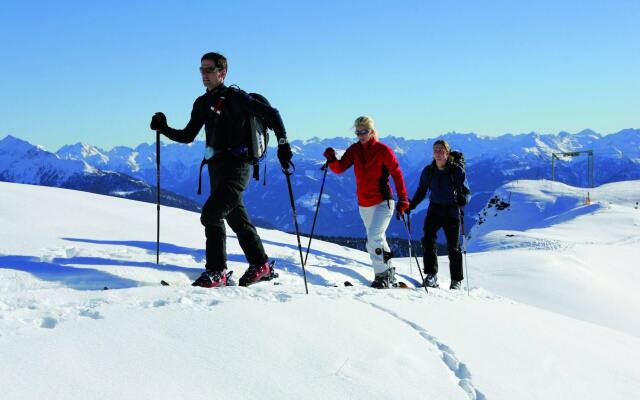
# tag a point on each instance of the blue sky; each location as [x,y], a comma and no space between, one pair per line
[96,71]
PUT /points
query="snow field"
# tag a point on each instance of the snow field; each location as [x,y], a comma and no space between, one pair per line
[63,337]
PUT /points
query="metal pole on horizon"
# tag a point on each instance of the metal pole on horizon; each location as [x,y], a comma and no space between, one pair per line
[158,196]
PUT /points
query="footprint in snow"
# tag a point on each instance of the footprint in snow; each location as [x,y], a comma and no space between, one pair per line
[48,323]
[161,303]
[91,314]
[283,297]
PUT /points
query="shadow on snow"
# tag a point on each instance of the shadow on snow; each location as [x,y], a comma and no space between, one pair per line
[74,278]
[68,271]
[289,264]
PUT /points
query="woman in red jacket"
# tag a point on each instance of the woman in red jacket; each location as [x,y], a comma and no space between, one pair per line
[373,163]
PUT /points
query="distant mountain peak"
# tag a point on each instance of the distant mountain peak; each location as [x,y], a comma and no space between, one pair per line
[84,152]
[15,145]
[10,139]
[589,133]
[314,139]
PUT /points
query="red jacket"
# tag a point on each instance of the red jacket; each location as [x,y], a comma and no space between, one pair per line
[373,163]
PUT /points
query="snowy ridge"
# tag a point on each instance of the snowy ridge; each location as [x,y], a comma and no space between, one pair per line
[22,162]
[63,337]
[83,151]
[524,209]
[561,254]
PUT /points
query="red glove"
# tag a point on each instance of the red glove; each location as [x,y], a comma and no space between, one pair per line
[402,206]
[330,155]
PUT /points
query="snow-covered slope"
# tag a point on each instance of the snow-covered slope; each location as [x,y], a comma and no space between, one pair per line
[546,247]
[62,337]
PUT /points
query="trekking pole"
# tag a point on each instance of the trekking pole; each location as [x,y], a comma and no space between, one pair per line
[409,240]
[158,196]
[464,249]
[315,217]
[288,174]
[406,228]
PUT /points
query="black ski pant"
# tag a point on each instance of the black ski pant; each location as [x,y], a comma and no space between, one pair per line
[229,178]
[448,218]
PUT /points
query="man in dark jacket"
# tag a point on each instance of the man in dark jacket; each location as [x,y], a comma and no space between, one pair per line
[224,112]
[449,191]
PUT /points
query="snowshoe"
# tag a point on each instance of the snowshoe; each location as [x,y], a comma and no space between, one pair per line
[258,273]
[456,285]
[431,281]
[385,280]
[399,285]
[210,279]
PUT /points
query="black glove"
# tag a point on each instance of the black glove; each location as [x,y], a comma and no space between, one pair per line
[159,122]
[284,155]
[412,206]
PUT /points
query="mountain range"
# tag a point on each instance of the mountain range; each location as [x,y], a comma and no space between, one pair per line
[491,162]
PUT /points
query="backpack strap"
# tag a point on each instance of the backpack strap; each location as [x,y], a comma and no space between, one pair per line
[459,189]
[217,109]
[202,164]
[430,175]
[452,169]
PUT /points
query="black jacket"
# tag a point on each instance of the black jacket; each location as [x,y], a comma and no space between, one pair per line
[441,185]
[229,129]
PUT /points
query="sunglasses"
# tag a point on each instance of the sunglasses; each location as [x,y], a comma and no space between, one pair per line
[362,132]
[208,70]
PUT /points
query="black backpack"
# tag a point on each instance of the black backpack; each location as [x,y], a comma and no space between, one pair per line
[461,192]
[458,159]
[258,138]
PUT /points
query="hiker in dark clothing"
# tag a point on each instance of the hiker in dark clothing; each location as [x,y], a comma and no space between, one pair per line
[449,191]
[224,112]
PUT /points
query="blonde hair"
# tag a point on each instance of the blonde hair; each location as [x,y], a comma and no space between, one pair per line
[366,122]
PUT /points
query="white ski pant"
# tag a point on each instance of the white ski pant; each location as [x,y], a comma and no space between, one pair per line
[376,220]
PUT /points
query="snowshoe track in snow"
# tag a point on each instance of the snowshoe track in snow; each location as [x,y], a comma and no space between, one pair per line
[458,368]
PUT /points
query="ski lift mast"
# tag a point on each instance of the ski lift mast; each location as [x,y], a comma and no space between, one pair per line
[590,163]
